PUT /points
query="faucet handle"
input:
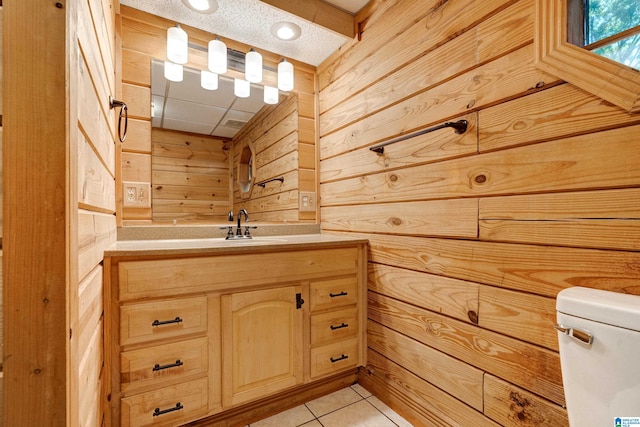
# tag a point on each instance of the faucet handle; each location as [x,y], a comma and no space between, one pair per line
[246,229]
[229,231]
[230,216]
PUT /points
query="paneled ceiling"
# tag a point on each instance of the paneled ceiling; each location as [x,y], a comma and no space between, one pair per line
[185,106]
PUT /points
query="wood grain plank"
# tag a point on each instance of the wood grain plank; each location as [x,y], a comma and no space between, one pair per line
[494,82]
[181,192]
[598,219]
[415,399]
[576,163]
[519,315]
[216,181]
[138,136]
[96,231]
[451,297]
[95,184]
[489,351]
[558,112]
[136,167]
[539,270]
[453,218]
[512,406]
[462,381]
[138,99]
[422,149]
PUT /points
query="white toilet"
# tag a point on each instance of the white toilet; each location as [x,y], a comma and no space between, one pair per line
[599,338]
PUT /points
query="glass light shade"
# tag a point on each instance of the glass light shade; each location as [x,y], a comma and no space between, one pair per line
[284,30]
[173,72]
[177,45]
[241,88]
[202,6]
[208,80]
[271,95]
[285,76]
[217,56]
[253,66]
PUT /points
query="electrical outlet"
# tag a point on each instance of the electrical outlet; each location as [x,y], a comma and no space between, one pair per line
[136,194]
[307,201]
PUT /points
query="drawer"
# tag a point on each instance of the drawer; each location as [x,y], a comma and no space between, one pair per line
[334,293]
[333,326]
[169,406]
[155,366]
[334,357]
[162,319]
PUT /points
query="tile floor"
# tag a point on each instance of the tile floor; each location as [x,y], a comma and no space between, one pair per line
[350,407]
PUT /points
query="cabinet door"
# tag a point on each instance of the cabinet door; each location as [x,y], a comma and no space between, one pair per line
[262,351]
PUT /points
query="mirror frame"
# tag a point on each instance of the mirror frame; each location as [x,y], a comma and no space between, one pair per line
[603,77]
[248,166]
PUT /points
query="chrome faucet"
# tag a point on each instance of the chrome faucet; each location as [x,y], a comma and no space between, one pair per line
[238,234]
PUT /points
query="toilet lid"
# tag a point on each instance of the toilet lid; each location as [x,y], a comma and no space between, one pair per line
[612,308]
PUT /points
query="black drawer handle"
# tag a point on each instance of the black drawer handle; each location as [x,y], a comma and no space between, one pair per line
[344,325]
[159,367]
[166,322]
[159,412]
[344,356]
[341,294]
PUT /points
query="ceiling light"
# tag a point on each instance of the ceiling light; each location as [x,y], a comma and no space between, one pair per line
[285,30]
[241,88]
[217,59]
[253,66]
[173,72]
[271,95]
[285,76]
[177,45]
[208,80]
[201,6]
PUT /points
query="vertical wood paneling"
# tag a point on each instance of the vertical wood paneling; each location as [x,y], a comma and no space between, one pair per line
[553,170]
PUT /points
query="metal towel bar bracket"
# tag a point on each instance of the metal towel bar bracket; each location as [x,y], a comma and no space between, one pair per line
[263,183]
[460,127]
[113,103]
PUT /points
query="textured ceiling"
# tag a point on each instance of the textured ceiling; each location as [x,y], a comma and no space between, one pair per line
[249,22]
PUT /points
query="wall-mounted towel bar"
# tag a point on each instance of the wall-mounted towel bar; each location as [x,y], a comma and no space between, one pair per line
[460,127]
[263,183]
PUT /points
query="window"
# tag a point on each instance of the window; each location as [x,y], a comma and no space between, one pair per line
[592,44]
[610,28]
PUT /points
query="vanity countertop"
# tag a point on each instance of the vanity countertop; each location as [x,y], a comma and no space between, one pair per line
[214,245]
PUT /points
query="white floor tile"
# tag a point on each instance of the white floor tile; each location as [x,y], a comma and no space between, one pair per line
[314,423]
[382,407]
[361,390]
[294,417]
[331,402]
[359,414]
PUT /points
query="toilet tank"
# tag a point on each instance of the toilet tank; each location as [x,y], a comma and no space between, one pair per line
[599,339]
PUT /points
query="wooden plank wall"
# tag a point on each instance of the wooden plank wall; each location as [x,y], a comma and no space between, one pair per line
[143,39]
[284,143]
[59,170]
[472,236]
[190,176]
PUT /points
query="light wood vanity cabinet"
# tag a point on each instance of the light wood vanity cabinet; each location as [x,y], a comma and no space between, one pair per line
[206,334]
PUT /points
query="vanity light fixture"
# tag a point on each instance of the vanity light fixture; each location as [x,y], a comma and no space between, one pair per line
[241,88]
[173,72]
[208,80]
[177,45]
[285,76]
[271,95]
[253,66]
[201,6]
[284,30]
[217,56]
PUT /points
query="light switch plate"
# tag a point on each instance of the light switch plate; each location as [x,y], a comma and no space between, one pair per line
[136,194]
[307,201]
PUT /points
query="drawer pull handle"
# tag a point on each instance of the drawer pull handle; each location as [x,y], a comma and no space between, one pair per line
[159,411]
[159,367]
[344,325]
[344,356]
[166,322]
[341,294]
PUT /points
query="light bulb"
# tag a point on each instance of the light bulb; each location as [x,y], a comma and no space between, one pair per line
[271,95]
[177,45]
[208,80]
[217,58]
[241,88]
[173,72]
[253,66]
[285,76]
